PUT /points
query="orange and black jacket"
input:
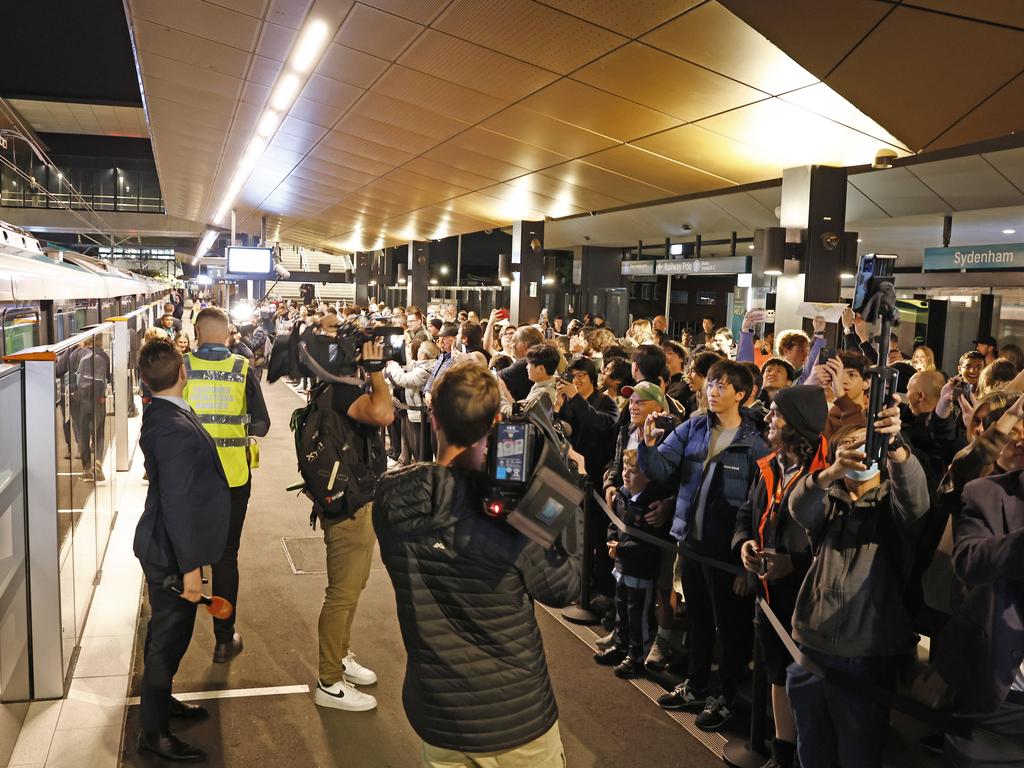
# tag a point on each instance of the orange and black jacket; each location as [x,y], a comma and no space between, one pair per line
[766,519]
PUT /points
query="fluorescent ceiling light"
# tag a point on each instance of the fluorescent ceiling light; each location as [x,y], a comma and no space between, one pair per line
[773,272]
[268,123]
[1009,231]
[204,244]
[309,46]
[285,93]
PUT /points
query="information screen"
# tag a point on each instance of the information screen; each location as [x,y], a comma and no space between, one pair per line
[510,465]
[250,261]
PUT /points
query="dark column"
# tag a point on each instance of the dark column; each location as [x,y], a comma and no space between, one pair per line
[363,277]
[417,274]
[527,270]
[935,335]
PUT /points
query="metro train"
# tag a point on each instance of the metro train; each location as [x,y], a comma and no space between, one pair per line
[50,294]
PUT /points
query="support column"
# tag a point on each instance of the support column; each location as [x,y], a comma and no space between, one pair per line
[418,273]
[527,271]
[362,274]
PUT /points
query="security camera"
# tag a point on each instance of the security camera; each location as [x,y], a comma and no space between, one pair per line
[884,159]
[686,228]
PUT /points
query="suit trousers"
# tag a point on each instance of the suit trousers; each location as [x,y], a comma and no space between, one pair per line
[225,572]
[349,553]
[168,634]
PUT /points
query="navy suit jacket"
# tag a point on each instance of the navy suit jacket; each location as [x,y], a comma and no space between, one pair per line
[188,506]
[983,644]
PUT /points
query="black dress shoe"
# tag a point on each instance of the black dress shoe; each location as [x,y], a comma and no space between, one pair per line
[224,652]
[169,747]
[610,658]
[186,711]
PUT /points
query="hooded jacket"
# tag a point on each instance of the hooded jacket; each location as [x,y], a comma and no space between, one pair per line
[412,380]
[477,678]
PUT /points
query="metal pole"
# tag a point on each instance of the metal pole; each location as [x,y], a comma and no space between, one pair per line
[232,227]
[122,393]
[458,262]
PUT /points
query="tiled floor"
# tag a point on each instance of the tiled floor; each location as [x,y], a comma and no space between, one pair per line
[84,729]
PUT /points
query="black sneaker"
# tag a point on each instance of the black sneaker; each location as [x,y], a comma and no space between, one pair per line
[683,698]
[610,658]
[629,667]
[715,715]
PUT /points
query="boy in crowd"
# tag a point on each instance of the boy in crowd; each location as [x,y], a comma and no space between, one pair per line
[636,571]
[776,374]
[714,458]
[849,384]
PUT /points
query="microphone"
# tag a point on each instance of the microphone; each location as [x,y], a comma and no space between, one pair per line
[282,273]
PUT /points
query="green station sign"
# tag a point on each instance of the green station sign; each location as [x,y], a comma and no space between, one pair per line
[975,257]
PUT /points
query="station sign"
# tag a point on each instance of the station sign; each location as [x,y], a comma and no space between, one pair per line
[728,265]
[975,257]
[136,252]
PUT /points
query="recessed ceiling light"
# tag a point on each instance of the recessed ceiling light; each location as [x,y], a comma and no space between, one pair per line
[860,239]
[1009,231]
[750,247]
[285,92]
[310,44]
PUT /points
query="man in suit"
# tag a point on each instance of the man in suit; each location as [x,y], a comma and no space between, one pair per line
[515,376]
[184,526]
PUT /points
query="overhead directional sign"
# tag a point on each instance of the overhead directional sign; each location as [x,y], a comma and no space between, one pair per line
[726,265]
[975,257]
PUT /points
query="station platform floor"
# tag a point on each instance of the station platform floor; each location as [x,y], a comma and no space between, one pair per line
[261,703]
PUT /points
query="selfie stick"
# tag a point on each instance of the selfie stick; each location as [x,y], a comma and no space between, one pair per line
[881,305]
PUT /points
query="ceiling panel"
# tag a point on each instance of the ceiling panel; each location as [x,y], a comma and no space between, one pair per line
[224,86]
[275,42]
[319,114]
[173,44]
[408,142]
[715,154]
[606,182]
[519,194]
[859,206]
[202,20]
[656,170]
[330,92]
[464,159]
[1009,163]
[348,65]
[968,183]
[480,206]
[1009,12]
[506,149]
[420,11]
[911,53]
[329,154]
[375,32]
[823,33]
[793,135]
[747,209]
[661,81]
[627,17]
[447,173]
[713,37]
[556,189]
[529,31]
[998,115]
[367,148]
[474,66]
[437,95]
[596,110]
[899,193]
[290,13]
[428,127]
[822,100]
[547,132]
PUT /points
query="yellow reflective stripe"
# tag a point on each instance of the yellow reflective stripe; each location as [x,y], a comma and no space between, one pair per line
[216,392]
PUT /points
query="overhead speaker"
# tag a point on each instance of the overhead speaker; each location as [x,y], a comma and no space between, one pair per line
[324,267]
[848,256]
[348,275]
[772,246]
[402,274]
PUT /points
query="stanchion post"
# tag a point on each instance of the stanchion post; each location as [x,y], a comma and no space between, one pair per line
[751,752]
[581,613]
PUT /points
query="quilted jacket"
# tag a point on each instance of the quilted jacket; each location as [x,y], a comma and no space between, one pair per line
[477,678]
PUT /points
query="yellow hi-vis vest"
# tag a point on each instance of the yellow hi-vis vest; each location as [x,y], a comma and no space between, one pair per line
[216,392]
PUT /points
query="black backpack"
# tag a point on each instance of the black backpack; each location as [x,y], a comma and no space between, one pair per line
[332,456]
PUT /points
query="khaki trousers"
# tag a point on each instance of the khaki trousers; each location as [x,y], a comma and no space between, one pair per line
[349,553]
[543,752]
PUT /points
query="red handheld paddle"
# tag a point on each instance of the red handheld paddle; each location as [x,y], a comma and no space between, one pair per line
[216,606]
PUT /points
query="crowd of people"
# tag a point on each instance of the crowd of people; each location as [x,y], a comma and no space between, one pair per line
[738,471]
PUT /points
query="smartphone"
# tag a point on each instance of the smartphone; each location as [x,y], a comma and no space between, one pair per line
[826,354]
[502,314]
[872,265]
[566,376]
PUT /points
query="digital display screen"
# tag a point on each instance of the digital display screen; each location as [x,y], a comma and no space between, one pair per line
[871,265]
[250,261]
[550,511]
[510,461]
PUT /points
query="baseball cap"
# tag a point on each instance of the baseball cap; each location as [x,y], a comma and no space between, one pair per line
[989,340]
[647,390]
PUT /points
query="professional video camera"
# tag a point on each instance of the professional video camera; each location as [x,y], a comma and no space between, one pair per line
[534,487]
[307,354]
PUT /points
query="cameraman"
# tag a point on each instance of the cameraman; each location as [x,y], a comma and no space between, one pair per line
[349,542]
[477,679]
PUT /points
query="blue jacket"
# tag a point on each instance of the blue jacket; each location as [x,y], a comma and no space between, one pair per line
[681,456]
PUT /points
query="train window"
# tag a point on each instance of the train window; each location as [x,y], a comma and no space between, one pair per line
[20,329]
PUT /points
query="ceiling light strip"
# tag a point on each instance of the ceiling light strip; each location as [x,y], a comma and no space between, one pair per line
[305,55]
[204,245]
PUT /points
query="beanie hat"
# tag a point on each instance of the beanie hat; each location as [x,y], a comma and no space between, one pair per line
[804,408]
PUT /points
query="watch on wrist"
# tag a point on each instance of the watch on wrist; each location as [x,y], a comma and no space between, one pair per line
[897,443]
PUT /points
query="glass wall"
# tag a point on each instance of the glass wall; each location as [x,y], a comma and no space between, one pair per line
[20,329]
[14,629]
[85,476]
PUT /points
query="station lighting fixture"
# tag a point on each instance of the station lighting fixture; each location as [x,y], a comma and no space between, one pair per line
[204,244]
[303,60]
[401,274]
[443,269]
[504,268]
[1009,231]
[433,281]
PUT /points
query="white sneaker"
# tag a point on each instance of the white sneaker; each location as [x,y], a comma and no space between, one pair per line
[356,673]
[341,695]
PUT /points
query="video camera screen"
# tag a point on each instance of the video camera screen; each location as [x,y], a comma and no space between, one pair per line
[511,448]
[250,261]
[872,265]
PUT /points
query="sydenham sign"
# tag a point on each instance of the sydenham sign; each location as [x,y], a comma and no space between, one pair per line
[975,257]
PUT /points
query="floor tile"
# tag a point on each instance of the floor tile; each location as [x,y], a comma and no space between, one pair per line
[94,702]
[105,656]
[85,748]
[36,733]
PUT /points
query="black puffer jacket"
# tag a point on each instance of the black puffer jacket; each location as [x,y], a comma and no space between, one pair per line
[477,678]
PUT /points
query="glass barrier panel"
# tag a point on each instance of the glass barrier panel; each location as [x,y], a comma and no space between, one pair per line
[14,628]
[104,433]
[69,481]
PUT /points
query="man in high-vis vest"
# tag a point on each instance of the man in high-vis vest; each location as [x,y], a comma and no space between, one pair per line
[225,394]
